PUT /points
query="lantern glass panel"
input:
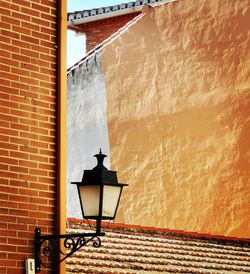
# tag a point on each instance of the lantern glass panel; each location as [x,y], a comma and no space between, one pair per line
[90,197]
[111,196]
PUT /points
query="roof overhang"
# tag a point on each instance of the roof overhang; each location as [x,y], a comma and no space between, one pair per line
[87,16]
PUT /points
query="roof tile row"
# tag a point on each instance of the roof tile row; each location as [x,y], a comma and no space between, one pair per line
[133,249]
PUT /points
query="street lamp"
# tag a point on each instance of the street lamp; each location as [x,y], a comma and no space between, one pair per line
[99,194]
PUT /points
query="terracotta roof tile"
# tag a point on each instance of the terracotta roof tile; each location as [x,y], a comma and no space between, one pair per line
[133,249]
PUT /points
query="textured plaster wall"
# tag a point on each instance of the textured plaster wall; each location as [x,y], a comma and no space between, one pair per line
[178,103]
[87,130]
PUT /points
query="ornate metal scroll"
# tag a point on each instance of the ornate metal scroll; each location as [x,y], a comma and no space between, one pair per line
[48,248]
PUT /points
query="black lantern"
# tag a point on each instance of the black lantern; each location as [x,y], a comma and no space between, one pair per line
[99,192]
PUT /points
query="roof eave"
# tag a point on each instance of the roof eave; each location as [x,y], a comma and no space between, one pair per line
[104,16]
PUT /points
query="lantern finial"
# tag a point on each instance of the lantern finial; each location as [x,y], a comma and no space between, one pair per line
[100,157]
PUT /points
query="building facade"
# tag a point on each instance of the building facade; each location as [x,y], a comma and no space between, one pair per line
[167,97]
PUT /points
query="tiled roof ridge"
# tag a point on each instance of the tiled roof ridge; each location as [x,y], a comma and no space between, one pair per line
[98,13]
[190,234]
[95,50]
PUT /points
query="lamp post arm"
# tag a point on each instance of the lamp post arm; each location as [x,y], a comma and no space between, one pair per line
[48,246]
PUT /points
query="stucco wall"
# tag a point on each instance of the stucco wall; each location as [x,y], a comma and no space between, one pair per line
[87,130]
[179,116]
[177,91]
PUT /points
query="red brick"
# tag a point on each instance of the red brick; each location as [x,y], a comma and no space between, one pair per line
[46,180]
[30,26]
[20,86]
[8,160]
[5,68]
[21,30]
[10,34]
[38,200]
[30,12]
[8,219]
[38,172]
[15,256]
[8,204]
[17,241]
[39,158]
[4,53]
[7,233]
[4,138]
[20,71]
[17,227]
[15,212]
[38,215]
[8,189]
[4,11]
[9,62]
[39,130]
[39,186]
[4,82]
[24,3]
[31,164]
[28,192]
[29,135]
[19,169]
[26,220]
[30,39]
[46,223]
[18,113]
[28,122]
[8,145]
[20,155]
[8,104]
[4,109]
[4,124]
[20,44]
[25,249]
[7,263]
[29,95]
[44,208]
[6,174]
[11,132]
[20,141]
[40,22]
[29,149]
[30,67]
[26,177]
[27,114]
[28,52]
[47,166]
[28,206]
[4,196]
[7,248]
[19,198]
[47,194]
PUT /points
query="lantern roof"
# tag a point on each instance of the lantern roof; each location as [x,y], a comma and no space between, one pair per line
[99,174]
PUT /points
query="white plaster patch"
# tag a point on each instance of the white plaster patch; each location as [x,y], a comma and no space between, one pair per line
[87,129]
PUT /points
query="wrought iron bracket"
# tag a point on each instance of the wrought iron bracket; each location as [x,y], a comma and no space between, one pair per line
[49,246]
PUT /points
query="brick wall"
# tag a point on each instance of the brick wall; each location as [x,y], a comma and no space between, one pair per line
[98,31]
[28,102]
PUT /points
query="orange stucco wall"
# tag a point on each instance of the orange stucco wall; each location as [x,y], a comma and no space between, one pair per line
[178,103]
